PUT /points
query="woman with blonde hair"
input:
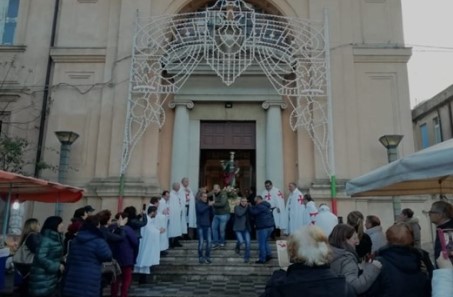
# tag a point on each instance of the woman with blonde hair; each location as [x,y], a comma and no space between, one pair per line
[363,248]
[309,274]
[29,242]
[343,240]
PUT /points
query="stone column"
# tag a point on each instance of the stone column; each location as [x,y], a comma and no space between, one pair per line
[180,146]
[274,142]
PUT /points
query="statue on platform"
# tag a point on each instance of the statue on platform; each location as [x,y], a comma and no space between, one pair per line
[230,170]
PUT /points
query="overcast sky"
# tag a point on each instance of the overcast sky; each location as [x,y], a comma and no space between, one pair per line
[428,29]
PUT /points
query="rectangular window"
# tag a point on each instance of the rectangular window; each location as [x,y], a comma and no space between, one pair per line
[425,136]
[437,132]
[8,20]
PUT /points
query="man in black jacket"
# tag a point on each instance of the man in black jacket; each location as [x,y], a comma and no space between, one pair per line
[264,222]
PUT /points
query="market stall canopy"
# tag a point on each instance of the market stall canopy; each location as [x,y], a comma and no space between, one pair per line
[429,171]
[24,188]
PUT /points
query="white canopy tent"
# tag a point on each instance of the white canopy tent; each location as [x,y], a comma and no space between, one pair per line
[429,171]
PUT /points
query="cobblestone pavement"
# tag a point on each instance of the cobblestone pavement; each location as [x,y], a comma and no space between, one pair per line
[182,288]
[197,288]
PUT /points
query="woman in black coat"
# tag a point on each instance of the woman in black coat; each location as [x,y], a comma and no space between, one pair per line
[86,253]
[401,273]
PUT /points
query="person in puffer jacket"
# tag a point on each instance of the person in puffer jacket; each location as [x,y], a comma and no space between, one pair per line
[46,268]
[87,251]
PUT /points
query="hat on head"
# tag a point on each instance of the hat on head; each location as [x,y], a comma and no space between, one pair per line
[89,208]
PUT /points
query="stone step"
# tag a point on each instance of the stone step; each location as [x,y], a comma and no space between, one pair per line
[230,244]
[214,253]
[237,261]
[220,271]
[182,263]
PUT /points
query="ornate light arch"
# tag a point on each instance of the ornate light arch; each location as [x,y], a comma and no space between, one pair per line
[229,36]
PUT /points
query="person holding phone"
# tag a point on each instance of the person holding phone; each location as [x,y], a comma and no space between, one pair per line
[441,215]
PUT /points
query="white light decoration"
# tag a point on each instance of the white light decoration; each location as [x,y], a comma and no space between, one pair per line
[15,205]
[228,37]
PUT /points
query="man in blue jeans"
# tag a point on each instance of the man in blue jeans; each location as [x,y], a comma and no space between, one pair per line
[264,221]
[203,211]
[221,217]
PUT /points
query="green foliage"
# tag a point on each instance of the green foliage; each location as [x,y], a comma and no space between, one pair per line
[12,151]
[12,155]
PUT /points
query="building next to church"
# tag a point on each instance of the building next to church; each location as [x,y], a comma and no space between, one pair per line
[433,119]
[67,66]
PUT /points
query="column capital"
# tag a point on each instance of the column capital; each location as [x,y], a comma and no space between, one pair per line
[274,103]
[187,103]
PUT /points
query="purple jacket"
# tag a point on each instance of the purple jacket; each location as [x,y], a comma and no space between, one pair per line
[124,251]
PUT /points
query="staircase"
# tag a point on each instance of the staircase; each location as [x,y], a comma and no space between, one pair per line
[182,264]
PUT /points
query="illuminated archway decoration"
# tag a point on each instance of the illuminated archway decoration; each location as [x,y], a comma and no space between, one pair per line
[229,37]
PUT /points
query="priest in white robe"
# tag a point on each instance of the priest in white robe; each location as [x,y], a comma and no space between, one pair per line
[186,195]
[149,247]
[295,209]
[275,198]
[311,211]
[175,215]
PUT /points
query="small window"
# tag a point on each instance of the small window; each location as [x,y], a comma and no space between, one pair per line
[424,135]
[437,131]
[8,20]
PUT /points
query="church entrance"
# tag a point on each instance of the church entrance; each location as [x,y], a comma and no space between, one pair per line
[219,141]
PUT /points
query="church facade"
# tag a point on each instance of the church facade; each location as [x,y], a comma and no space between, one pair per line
[78,55]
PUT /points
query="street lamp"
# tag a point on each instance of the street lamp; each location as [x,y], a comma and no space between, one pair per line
[391,142]
[66,138]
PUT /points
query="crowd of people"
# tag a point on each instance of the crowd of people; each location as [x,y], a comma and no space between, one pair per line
[328,258]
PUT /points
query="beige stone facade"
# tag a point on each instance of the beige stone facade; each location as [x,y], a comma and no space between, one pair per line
[88,91]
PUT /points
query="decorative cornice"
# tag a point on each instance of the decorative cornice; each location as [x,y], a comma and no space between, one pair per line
[381,55]
[12,48]
[9,97]
[188,104]
[78,55]
[268,104]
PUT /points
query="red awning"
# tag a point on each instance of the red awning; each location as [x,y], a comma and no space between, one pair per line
[24,188]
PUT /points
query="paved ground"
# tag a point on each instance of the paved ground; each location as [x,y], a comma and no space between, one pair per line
[197,288]
[181,288]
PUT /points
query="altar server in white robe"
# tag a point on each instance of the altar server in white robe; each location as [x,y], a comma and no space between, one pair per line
[275,198]
[164,204]
[174,219]
[149,248]
[295,209]
[186,195]
[311,211]
[161,223]
[325,219]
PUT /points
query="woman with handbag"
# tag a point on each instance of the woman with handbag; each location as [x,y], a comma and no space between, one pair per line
[47,267]
[86,253]
[23,257]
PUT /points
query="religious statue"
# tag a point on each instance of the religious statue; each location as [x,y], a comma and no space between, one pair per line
[230,170]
